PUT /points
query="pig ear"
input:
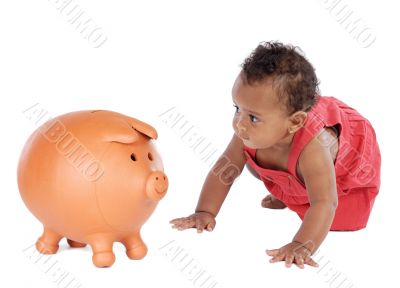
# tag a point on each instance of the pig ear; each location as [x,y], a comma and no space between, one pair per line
[129,132]
[144,128]
[122,133]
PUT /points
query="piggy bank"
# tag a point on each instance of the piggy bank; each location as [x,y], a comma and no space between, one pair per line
[93,177]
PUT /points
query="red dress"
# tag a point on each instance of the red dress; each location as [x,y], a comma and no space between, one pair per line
[357,165]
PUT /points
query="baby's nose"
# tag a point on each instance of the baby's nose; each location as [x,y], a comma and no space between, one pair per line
[241,126]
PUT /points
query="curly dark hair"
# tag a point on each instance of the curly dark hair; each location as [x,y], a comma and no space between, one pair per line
[286,65]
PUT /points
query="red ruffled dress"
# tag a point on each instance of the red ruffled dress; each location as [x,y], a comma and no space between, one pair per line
[357,165]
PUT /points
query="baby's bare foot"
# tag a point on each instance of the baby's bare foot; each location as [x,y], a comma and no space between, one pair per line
[272,202]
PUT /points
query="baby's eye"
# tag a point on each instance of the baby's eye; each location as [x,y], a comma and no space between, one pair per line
[253,119]
[237,108]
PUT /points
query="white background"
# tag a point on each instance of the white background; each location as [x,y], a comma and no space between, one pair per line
[186,54]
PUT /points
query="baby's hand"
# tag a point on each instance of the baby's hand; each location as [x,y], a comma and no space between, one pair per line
[293,252]
[198,220]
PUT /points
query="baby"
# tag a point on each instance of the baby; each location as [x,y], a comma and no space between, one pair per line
[316,155]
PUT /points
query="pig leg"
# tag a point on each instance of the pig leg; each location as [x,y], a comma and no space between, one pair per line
[103,255]
[135,247]
[48,242]
[75,244]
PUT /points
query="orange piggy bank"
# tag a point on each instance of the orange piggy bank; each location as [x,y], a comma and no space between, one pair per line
[93,177]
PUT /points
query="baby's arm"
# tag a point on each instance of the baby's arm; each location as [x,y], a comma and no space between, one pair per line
[317,167]
[215,188]
[318,171]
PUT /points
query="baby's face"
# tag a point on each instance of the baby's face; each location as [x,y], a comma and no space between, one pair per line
[260,120]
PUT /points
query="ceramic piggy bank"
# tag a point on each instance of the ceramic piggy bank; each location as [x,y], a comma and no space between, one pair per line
[93,177]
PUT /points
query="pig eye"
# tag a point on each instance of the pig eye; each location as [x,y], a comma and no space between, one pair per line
[133,157]
[150,156]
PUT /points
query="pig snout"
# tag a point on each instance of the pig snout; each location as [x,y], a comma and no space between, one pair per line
[157,185]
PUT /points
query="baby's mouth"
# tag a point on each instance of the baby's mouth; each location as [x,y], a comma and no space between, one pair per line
[243,137]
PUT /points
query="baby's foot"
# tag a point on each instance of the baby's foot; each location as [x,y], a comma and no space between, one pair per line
[272,202]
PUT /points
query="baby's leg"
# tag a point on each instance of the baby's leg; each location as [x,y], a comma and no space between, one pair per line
[269,201]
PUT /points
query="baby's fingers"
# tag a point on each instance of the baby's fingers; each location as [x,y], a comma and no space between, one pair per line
[200,225]
[183,223]
[210,227]
[272,252]
[299,260]
[176,221]
[276,254]
[289,260]
[311,262]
